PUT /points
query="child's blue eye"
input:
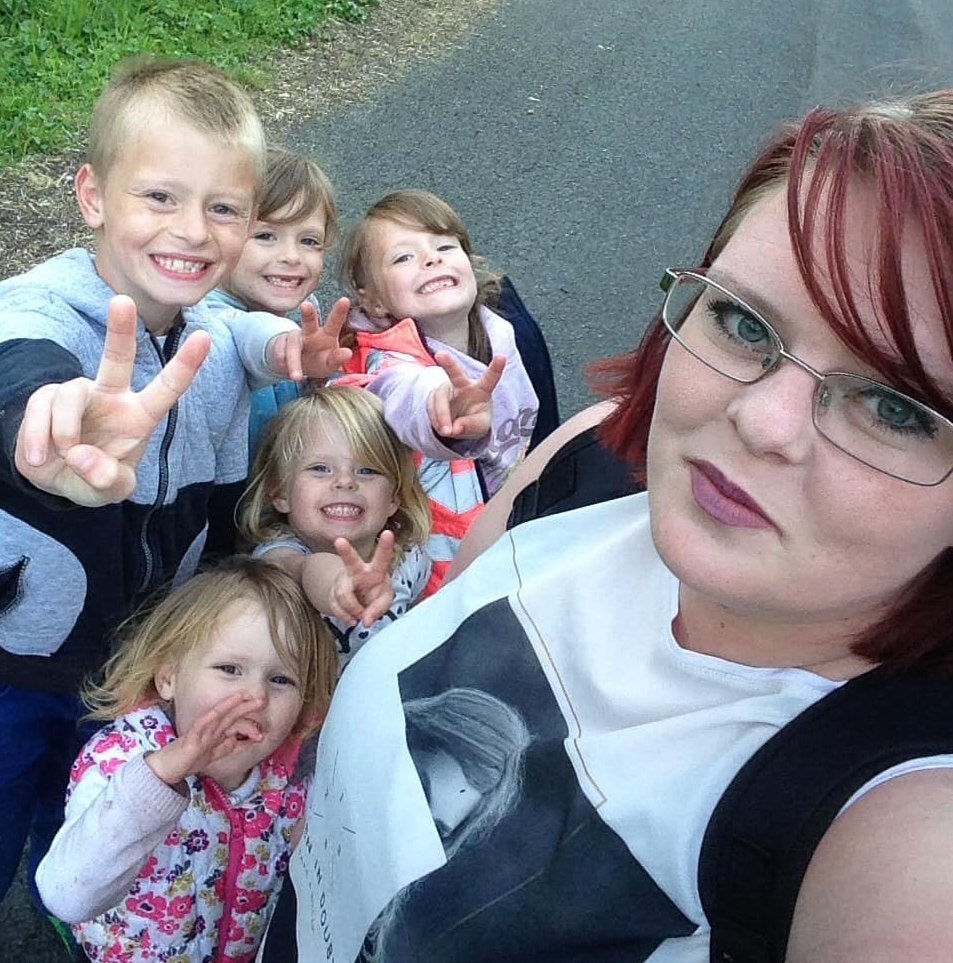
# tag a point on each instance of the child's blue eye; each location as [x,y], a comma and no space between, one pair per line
[227,668]
[366,472]
[283,680]
[320,469]
[264,236]
[224,210]
[160,197]
[402,258]
[448,247]
[313,242]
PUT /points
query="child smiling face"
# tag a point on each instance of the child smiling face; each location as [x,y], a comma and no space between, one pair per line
[412,273]
[331,494]
[172,216]
[282,261]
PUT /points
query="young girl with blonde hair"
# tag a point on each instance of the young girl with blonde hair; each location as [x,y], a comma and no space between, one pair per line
[446,367]
[335,500]
[182,811]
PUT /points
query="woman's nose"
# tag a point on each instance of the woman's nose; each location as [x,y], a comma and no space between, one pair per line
[774,416]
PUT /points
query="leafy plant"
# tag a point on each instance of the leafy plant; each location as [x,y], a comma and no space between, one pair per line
[56,55]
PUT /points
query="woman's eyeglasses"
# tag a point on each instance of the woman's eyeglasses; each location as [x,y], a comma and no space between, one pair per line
[878,425]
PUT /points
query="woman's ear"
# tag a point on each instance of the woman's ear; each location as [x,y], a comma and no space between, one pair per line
[89,196]
[165,681]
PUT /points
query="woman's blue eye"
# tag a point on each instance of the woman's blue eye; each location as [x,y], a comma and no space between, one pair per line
[739,325]
[897,414]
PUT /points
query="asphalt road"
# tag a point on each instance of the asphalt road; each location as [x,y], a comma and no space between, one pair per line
[589,146]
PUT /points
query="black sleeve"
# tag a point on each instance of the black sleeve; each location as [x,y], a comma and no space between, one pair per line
[222,526]
[25,365]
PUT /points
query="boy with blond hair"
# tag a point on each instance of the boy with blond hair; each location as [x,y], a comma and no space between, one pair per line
[124,406]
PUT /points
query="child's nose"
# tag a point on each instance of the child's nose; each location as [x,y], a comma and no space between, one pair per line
[344,478]
[192,225]
[289,253]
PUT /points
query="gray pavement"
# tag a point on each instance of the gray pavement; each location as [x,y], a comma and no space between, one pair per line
[588,146]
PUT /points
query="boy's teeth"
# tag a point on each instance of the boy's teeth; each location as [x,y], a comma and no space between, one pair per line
[282,282]
[180,266]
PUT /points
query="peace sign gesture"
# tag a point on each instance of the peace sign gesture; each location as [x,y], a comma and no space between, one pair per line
[463,408]
[84,439]
[347,587]
[314,350]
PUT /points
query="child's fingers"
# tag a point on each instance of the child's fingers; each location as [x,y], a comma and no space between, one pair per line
[165,389]
[491,377]
[349,555]
[292,355]
[458,377]
[68,404]
[383,557]
[110,480]
[438,410]
[34,439]
[378,607]
[337,316]
[119,349]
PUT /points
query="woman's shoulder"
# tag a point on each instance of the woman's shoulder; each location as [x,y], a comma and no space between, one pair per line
[878,886]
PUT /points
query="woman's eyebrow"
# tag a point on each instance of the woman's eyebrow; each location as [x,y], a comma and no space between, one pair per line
[771,312]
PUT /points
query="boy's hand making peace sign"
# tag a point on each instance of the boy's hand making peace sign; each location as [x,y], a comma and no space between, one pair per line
[314,351]
[83,439]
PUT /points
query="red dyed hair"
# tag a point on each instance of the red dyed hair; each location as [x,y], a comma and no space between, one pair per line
[903,153]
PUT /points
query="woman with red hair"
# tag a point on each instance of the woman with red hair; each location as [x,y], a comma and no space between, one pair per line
[789,414]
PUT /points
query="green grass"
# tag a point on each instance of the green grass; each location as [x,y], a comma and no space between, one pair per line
[56,55]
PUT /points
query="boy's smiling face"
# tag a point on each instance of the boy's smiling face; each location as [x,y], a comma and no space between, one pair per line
[172,215]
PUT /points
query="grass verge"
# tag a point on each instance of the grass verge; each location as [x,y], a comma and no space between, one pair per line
[56,55]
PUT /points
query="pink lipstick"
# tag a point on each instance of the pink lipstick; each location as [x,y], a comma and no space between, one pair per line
[723,500]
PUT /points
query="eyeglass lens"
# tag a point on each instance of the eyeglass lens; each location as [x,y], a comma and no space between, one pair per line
[875,424]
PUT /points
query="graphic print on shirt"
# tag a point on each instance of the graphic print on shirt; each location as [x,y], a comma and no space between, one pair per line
[526,865]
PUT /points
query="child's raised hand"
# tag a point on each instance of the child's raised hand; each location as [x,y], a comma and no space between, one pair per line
[313,351]
[463,408]
[363,592]
[211,737]
[84,439]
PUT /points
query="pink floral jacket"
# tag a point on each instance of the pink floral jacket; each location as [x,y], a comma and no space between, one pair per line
[199,877]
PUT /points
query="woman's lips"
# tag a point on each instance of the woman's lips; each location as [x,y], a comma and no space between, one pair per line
[723,500]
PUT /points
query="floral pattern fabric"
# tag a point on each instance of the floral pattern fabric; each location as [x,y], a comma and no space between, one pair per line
[206,893]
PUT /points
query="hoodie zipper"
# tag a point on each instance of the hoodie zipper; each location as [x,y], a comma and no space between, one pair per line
[146,542]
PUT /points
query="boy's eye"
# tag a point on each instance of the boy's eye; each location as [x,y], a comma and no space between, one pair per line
[264,235]
[160,197]
[447,246]
[227,668]
[315,242]
[225,210]
[402,258]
